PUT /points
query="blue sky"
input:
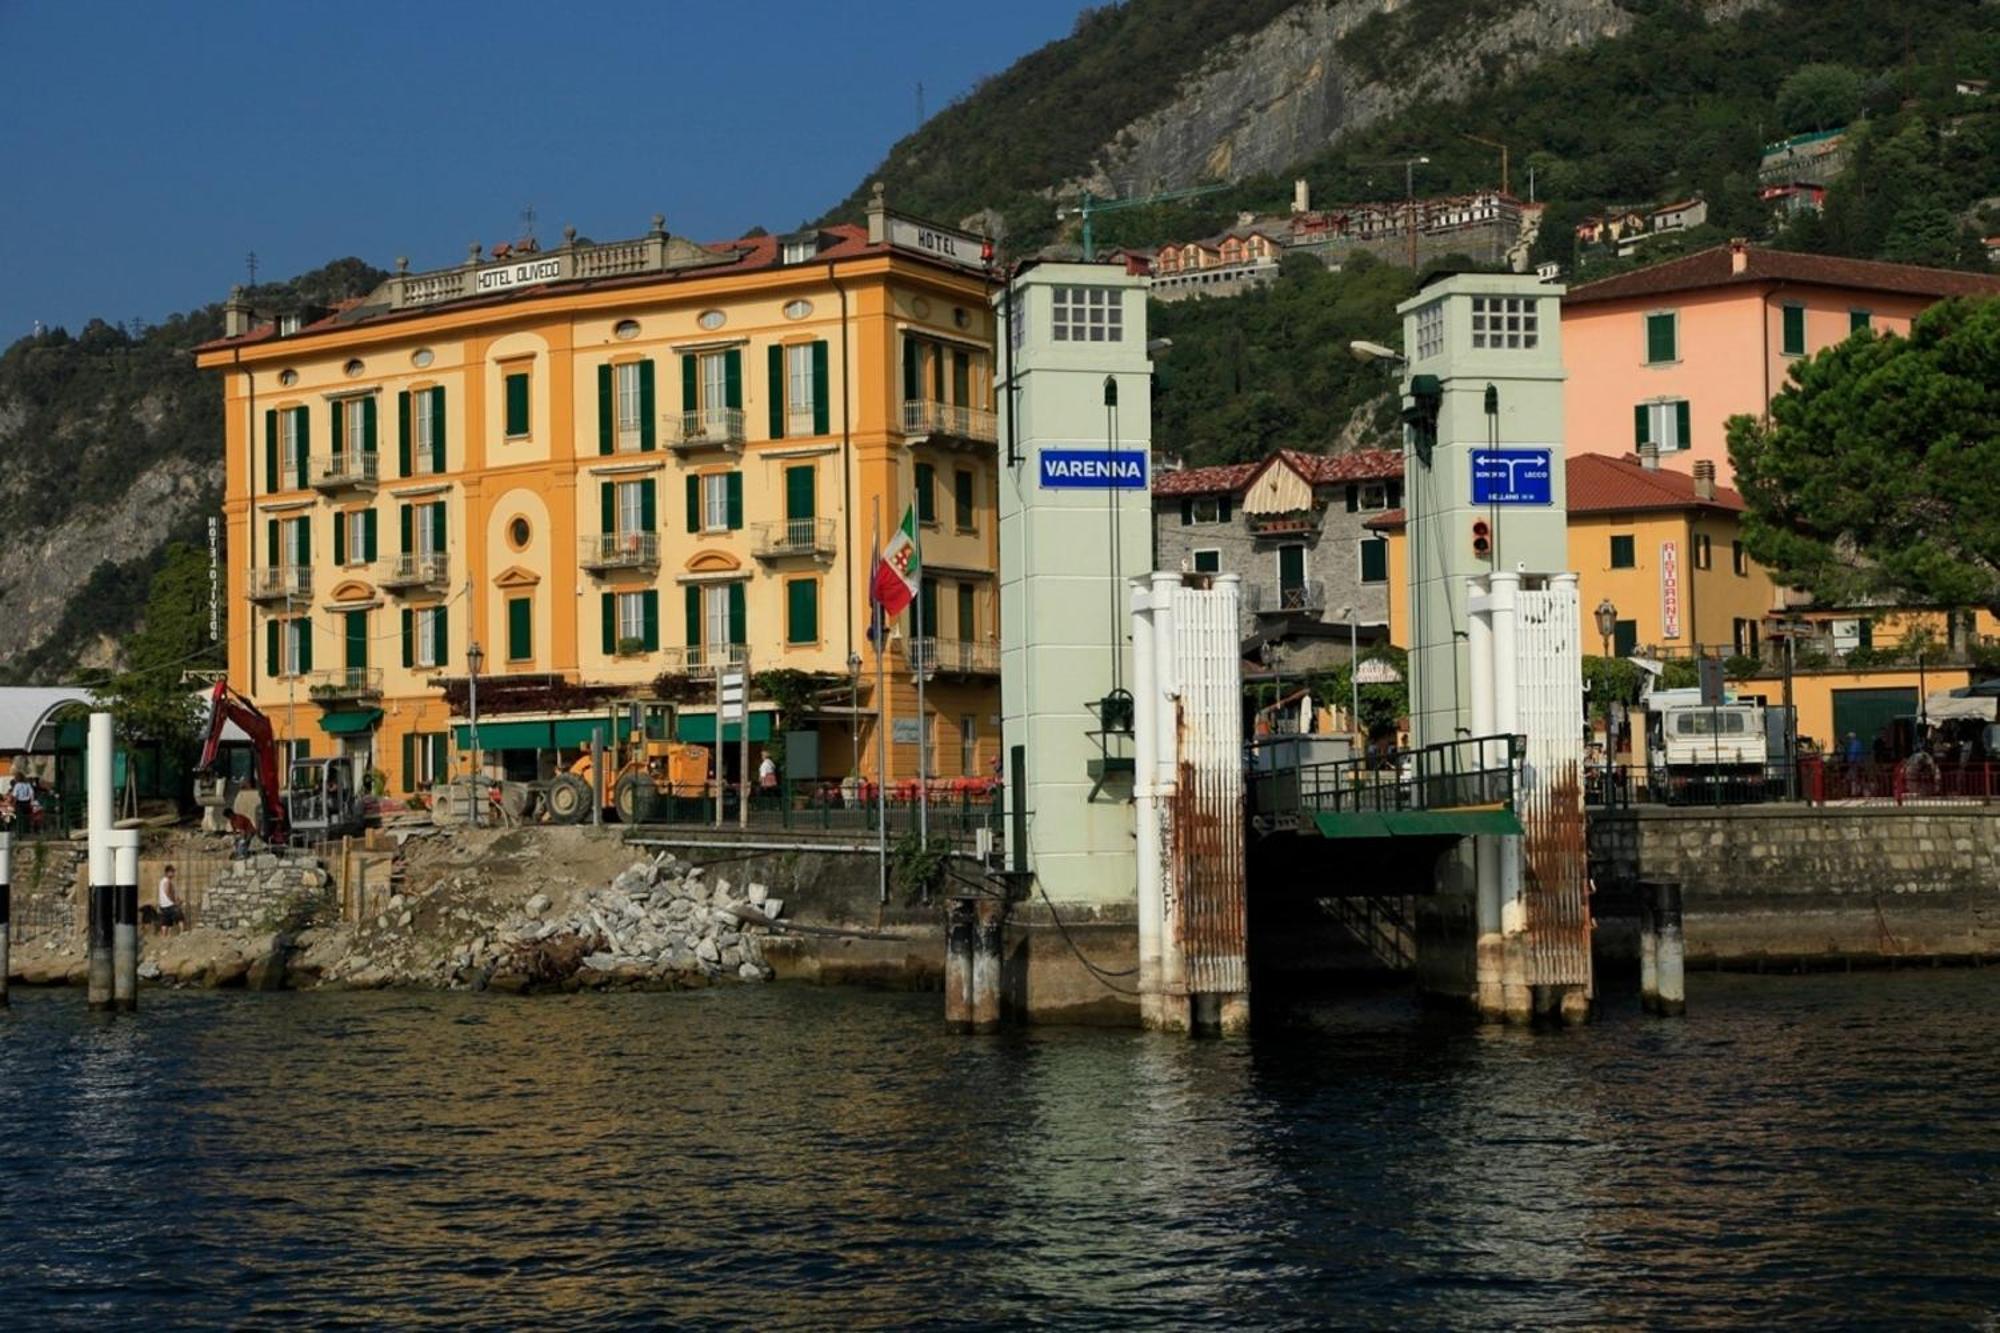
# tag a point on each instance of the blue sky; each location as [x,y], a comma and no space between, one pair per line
[149,147]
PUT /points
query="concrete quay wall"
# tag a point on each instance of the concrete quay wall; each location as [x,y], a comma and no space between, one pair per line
[1795,885]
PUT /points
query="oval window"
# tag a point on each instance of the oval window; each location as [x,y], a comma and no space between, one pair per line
[627,328]
[421,357]
[353,367]
[288,378]
[920,307]
[518,533]
[798,309]
[712,319]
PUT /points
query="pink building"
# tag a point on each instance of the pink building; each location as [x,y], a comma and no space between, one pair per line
[1665,355]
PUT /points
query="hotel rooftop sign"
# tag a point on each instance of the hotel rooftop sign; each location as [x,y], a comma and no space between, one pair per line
[957,248]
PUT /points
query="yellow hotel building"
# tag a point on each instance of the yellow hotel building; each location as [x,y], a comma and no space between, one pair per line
[616,467]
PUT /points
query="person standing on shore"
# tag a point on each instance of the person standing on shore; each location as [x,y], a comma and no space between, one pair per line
[171,914]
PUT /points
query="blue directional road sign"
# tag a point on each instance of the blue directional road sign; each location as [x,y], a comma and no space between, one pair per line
[1512,477]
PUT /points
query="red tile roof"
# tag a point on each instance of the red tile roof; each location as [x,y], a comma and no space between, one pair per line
[1314,469]
[1714,268]
[1599,484]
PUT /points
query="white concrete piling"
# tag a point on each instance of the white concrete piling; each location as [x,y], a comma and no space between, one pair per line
[989,930]
[125,919]
[1669,950]
[1649,951]
[960,927]
[102,868]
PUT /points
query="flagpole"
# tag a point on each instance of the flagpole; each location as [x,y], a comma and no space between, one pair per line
[878,631]
[923,660]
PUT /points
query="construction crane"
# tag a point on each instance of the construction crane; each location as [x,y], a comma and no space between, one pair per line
[1089,205]
[1505,182]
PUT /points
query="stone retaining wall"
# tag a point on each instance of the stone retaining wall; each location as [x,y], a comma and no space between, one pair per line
[1811,885]
[268,891]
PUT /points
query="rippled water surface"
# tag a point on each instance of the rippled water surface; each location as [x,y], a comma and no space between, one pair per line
[1822,1148]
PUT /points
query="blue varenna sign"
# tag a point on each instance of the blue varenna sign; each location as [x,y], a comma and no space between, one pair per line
[1093,469]
[1512,477]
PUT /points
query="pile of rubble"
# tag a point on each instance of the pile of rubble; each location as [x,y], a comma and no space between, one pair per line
[660,922]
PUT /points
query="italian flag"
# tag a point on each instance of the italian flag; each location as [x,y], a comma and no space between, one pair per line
[898,568]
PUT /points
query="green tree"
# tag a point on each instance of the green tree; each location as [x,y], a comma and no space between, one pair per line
[1878,474]
[1820,97]
[1923,233]
[150,698]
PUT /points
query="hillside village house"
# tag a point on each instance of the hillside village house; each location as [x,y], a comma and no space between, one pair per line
[1664,356]
[1293,527]
[617,467]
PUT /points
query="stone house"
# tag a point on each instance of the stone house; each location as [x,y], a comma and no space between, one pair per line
[1293,527]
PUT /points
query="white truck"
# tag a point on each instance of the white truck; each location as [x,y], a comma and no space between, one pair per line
[1700,751]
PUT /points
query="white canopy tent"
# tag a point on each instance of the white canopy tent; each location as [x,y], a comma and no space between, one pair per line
[1950,706]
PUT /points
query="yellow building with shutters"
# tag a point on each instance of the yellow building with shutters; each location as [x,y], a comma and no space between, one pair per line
[617,468]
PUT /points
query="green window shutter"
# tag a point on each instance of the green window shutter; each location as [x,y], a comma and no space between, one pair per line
[1623,553]
[406,529]
[690,383]
[1375,561]
[339,538]
[409,638]
[337,443]
[437,526]
[607,506]
[961,494]
[517,404]
[802,611]
[357,641]
[520,629]
[926,499]
[693,602]
[409,759]
[1353,499]
[273,553]
[437,429]
[1660,338]
[1795,330]
[272,659]
[927,606]
[609,604]
[368,535]
[649,605]
[775,362]
[442,619]
[1639,428]
[1222,504]
[368,424]
[694,504]
[1867,629]
[912,379]
[304,555]
[648,411]
[735,489]
[649,506]
[1682,424]
[305,444]
[822,419]
[403,434]
[1187,512]
[271,450]
[607,412]
[305,644]
[736,614]
[799,492]
[440,755]
[1857,320]
[732,378]
[961,379]
[937,374]
[968,615]
[1624,637]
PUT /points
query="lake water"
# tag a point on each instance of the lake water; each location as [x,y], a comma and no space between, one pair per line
[1819,1148]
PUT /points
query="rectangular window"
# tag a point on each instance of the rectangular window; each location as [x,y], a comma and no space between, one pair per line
[1430,330]
[1511,322]
[968,745]
[357,523]
[517,404]
[714,383]
[1739,564]
[926,494]
[1373,495]
[1208,509]
[799,252]
[1704,554]
[297,640]
[1795,330]
[1623,554]
[626,393]
[961,494]
[1857,320]
[802,611]
[799,395]
[715,600]
[431,646]
[426,458]
[631,622]
[631,506]
[354,426]
[289,443]
[520,629]
[1375,560]
[1208,562]
[1664,422]
[715,502]
[430,528]
[1662,341]
[1087,314]
[968,614]
[1624,637]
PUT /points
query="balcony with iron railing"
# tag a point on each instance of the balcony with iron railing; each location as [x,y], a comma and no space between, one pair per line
[700,659]
[353,470]
[410,572]
[706,428]
[607,551]
[281,583]
[923,418]
[793,537]
[1307,598]
[345,685]
[954,657]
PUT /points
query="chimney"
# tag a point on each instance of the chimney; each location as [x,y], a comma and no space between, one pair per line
[1649,456]
[878,217]
[235,314]
[1301,196]
[1739,254]
[1704,478]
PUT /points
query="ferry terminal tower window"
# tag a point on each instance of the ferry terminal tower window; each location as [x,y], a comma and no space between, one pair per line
[1504,322]
[1430,330]
[1087,314]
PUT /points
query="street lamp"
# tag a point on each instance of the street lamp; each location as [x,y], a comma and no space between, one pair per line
[475,658]
[1607,623]
[1606,616]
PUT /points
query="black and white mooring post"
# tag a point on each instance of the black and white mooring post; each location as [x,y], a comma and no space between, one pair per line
[961,926]
[6,908]
[989,931]
[1670,951]
[102,871]
[1649,950]
[125,919]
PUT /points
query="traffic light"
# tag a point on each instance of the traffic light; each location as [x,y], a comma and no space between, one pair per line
[1482,539]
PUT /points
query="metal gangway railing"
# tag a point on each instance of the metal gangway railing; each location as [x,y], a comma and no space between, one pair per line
[1467,774]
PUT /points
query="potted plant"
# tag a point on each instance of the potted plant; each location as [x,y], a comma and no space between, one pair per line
[631,647]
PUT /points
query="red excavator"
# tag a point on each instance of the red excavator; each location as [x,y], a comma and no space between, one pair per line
[318,798]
